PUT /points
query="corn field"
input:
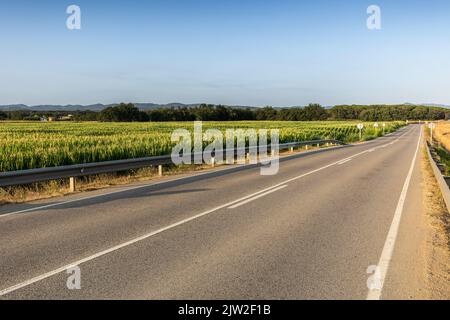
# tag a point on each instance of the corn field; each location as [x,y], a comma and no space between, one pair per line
[28,145]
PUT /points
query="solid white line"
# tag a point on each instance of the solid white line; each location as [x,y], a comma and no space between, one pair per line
[386,255]
[148,235]
[257,197]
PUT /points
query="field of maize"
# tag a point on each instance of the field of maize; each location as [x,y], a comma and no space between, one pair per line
[28,145]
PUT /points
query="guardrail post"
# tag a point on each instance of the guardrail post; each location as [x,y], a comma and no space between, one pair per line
[318,145]
[72,184]
[160,170]
[292,149]
[213,162]
[306,147]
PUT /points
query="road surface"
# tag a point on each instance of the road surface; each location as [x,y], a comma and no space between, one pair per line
[310,232]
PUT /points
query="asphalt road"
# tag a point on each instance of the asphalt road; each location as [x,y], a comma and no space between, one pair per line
[309,232]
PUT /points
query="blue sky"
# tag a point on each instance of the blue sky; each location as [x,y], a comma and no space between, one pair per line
[246,52]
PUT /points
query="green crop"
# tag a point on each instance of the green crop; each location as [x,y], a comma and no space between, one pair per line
[28,145]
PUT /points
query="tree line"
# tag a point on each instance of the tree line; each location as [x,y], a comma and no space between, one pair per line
[207,112]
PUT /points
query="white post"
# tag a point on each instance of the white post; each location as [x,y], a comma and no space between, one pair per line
[160,170]
[431,126]
[213,162]
[72,185]
[292,149]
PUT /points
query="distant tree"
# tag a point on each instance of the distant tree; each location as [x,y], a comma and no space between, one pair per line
[85,115]
[315,112]
[122,113]
[208,112]
[388,113]
[266,113]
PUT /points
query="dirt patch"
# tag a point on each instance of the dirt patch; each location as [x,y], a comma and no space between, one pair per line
[437,224]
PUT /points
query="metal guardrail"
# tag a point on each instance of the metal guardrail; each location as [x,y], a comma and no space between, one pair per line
[22,177]
[443,186]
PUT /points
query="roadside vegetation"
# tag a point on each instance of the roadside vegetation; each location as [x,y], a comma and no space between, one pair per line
[442,146]
[442,134]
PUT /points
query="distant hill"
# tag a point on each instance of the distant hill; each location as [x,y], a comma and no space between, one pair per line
[437,105]
[99,107]
[149,106]
[429,105]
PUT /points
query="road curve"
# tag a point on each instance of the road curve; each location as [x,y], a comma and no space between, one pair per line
[309,232]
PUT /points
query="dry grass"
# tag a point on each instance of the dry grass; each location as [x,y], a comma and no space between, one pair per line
[438,234]
[442,134]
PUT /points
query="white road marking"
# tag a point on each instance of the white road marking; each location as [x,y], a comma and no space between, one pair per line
[132,188]
[257,197]
[386,255]
[107,194]
[140,187]
[148,235]
[345,161]
[120,246]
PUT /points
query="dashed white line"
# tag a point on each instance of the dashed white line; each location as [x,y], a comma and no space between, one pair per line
[257,197]
[345,161]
